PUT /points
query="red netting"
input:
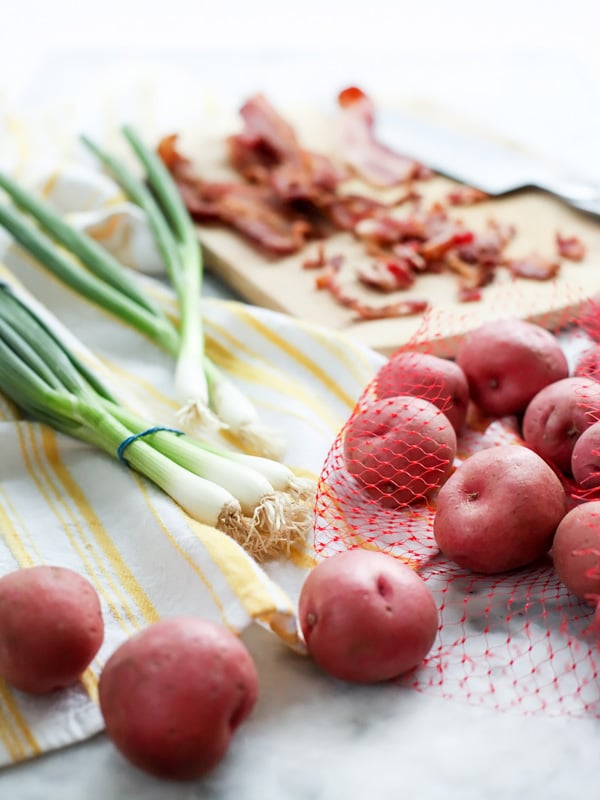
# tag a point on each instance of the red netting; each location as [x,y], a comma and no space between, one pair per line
[514,640]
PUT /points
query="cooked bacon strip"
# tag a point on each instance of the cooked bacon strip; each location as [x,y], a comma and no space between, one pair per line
[488,247]
[254,211]
[268,151]
[570,247]
[466,196]
[533,267]
[347,211]
[372,160]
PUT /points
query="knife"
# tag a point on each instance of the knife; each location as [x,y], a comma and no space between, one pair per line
[493,167]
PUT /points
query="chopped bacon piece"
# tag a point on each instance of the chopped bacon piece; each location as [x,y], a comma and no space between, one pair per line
[533,267]
[471,277]
[387,275]
[570,247]
[488,246]
[409,251]
[317,261]
[328,280]
[385,229]
[469,295]
[438,246]
[169,154]
[466,196]
[402,308]
[372,160]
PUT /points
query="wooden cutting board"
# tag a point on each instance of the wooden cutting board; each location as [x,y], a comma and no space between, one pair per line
[284,285]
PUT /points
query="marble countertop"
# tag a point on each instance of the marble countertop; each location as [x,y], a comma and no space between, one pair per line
[313,738]
[310,737]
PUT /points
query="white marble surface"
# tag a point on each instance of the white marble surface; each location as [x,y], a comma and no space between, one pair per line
[312,738]
[528,69]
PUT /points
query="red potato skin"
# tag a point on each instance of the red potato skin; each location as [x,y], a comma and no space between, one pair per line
[499,510]
[507,362]
[173,695]
[438,380]
[367,617]
[588,365]
[576,551]
[400,449]
[51,628]
[585,460]
[558,415]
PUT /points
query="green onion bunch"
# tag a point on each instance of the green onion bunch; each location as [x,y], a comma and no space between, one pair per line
[256,500]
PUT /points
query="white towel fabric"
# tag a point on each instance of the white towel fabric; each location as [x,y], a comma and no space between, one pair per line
[63,502]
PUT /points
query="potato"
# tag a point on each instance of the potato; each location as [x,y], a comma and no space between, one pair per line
[400,449]
[51,627]
[507,362]
[366,616]
[438,380]
[588,365]
[576,551]
[499,510]
[173,695]
[585,459]
[558,415]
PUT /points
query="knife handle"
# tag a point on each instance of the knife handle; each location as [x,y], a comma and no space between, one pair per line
[583,195]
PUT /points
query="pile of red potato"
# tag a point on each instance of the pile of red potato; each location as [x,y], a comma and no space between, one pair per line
[173,695]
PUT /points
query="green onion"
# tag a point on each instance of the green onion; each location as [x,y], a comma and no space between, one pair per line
[42,375]
[178,242]
[210,399]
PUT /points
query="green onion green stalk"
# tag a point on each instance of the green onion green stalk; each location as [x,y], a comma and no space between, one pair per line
[208,397]
[257,501]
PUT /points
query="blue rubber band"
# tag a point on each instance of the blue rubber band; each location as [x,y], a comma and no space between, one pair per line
[131,439]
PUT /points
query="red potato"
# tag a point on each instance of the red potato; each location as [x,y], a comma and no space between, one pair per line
[499,510]
[557,416]
[438,380]
[173,695]
[576,551]
[585,460]
[507,362]
[588,365]
[51,628]
[367,617]
[400,449]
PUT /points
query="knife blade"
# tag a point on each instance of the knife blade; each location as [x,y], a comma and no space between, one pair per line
[486,164]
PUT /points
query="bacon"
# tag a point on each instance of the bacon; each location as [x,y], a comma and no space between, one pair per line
[466,196]
[570,247]
[488,246]
[369,158]
[328,280]
[268,151]
[436,247]
[471,277]
[254,211]
[533,267]
[386,275]
[317,261]
[346,211]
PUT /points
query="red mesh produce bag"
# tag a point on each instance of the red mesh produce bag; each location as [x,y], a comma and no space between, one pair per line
[514,640]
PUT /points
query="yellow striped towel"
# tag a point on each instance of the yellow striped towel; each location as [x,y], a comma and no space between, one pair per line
[62,502]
